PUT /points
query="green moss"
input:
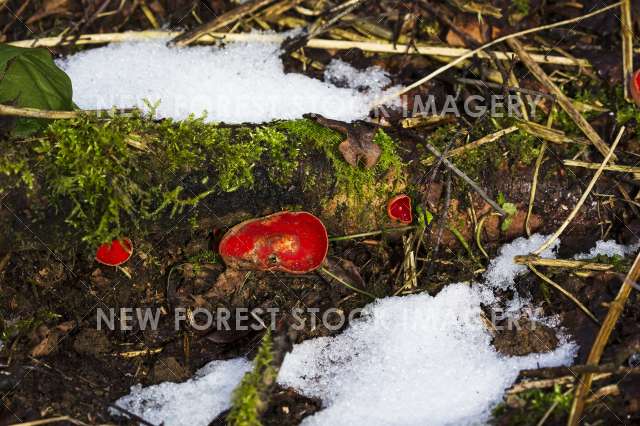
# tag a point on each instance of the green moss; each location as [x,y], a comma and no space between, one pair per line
[532,405]
[249,397]
[282,154]
[521,6]
[348,178]
[113,177]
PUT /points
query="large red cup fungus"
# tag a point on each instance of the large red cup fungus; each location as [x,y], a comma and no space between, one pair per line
[635,87]
[294,242]
[399,208]
[115,253]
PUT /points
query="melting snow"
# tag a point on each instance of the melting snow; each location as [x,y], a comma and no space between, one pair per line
[194,402]
[242,82]
[411,360]
[609,248]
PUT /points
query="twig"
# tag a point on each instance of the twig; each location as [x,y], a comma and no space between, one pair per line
[346,284]
[563,291]
[221,21]
[371,233]
[584,196]
[466,178]
[546,133]
[534,187]
[561,263]
[475,144]
[615,309]
[561,98]
[319,26]
[626,31]
[474,52]
[11,111]
[595,166]
[314,43]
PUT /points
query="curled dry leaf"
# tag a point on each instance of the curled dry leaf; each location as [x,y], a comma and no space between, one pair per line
[358,147]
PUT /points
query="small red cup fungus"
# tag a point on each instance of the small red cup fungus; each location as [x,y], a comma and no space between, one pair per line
[399,208]
[115,253]
[294,242]
[635,87]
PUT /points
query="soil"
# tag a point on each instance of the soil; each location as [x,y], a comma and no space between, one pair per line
[55,362]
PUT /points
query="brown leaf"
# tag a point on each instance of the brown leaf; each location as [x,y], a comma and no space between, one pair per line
[347,271]
[471,30]
[226,283]
[48,8]
[358,147]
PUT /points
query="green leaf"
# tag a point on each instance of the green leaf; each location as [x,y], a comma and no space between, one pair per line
[30,78]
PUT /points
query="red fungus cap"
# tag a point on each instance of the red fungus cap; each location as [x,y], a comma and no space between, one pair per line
[294,242]
[399,208]
[115,253]
[635,87]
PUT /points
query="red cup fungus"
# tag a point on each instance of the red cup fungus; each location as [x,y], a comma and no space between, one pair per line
[115,253]
[635,87]
[294,242]
[399,208]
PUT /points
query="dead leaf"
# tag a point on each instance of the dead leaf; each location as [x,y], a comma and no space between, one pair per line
[472,29]
[226,284]
[358,147]
[347,271]
[48,8]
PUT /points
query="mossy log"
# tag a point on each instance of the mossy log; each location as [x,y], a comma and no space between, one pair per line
[88,180]
[92,180]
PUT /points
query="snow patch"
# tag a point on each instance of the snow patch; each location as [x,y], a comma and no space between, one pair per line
[502,271]
[242,82]
[197,401]
[418,359]
[410,360]
[609,248]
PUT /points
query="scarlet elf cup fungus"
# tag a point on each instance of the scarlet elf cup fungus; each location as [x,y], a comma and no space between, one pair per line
[635,87]
[115,253]
[294,242]
[399,208]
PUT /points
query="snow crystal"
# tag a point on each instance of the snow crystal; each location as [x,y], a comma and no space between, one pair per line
[410,360]
[502,271]
[609,248]
[340,72]
[193,403]
[242,82]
